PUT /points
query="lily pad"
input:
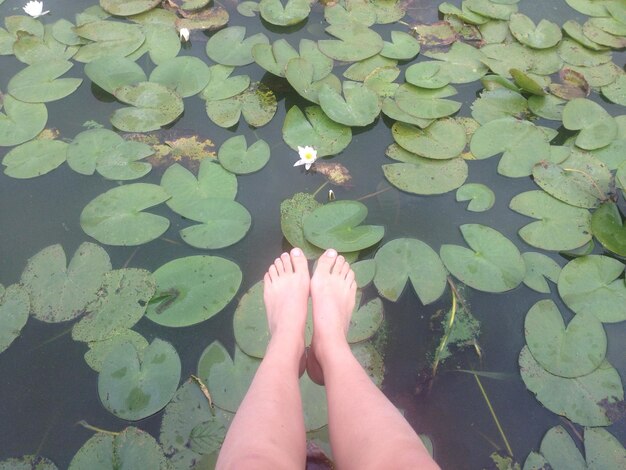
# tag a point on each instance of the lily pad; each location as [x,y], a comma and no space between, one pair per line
[127,7]
[548,107]
[60,292]
[358,107]
[187,76]
[568,352]
[440,33]
[111,73]
[292,212]
[238,158]
[14,308]
[248,8]
[109,38]
[462,62]
[364,272]
[607,227]
[406,259]
[257,104]
[120,303]
[116,217]
[591,284]
[162,42]
[542,36]
[425,176]
[293,12]
[391,109]
[491,9]
[480,197]
[98,350]
[34,158]
[336,225]
[559,226]
[28,462]
[228,46]
[540,267]
[498,104]
[193,289]
[301,76]
[597,127]
[576,54]
[362,69]
[221,85]
[426,104]
[316,129]
[223,223]
[355,42]
[429,74]
[153,106]
[603,450]
[492,264]
[39,83]
[578,399]
[501,58]
[616,91]
[136,383]
[353,12]
[20,121]
[207,19]
[403,46]
[442,140]
[274,57]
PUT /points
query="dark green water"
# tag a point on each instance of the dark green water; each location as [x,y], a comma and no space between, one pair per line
[46,386]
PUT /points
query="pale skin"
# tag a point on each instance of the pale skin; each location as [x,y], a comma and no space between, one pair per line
[366,430]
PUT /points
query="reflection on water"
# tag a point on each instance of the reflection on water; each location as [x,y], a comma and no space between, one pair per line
[46,387]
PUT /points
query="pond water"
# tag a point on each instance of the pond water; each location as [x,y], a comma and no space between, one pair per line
[46,387]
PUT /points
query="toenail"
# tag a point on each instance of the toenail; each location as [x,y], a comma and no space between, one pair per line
[296,252]
[331,253]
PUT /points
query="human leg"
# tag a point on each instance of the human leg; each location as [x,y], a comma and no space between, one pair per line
[366,430]
[268,429]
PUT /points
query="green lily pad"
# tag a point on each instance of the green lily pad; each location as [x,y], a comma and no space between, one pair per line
[257,104]
[589,7]
[228,46]
[540,267]
[274,57]
[364,272]
[227,379]
[312,127]
[193,289]
[162,42]
[221,85]
[120,303]
[440,33]
[597,127]
[616,91]
[575,53]
[293,12]
[463,14]
[559,226]
[111,73]
[354,12]
[127,7]
[603,450]
[39,83]
[109,38]
[429,74]
[153,106]
[591,284]
[581,180]
[501,58]
[31,49]
[493,264]
[20,121]
[208,19]
[28,462]
[99,350]
[248,8]
[34,158]
[599,36]
[462,62]
[529,82]
[521,143]
[542,36]
[387,11]
[575,31]
[358,107]
[292,212]
[426,176]
[322,64]
[568,352]
[426,104]
[238,158]
[336,225]
[442,140]
[14,308]
[116,217]
[362,69]
[136,383]
[301,76]
[491,9]
[607,227]
[406,259]
[187,76]
[381,81]
[578,399]
[223,223]
[60,292]
[498,104]
[597,76]
[391,109]
[403,46]
[481,198]
[355,42]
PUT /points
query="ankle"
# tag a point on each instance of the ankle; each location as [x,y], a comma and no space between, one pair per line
[328,351]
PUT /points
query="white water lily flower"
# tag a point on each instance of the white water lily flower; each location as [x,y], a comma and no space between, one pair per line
[308,155]
[184,34]
[35,9]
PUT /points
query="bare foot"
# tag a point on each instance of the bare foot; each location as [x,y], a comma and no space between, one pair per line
[333,291]
[286,293]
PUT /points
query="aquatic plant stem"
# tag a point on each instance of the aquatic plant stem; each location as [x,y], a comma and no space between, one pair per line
[444,339]
[494,416]
[320,188]
[54,338]
[601,196]
[375,193]
[86,425]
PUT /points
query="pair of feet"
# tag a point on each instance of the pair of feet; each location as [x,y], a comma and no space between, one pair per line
[287,286]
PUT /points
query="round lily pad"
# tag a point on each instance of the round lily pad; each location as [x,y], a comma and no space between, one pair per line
[20,121]
[300,74]
[403,46]
[429,74]
[597,127]
[603,450]
[60,292]
[548,107]
[354,42]
[427,176]
[228,46]
[28,462]
[567,352]
[116,217]
[480,197]
[238,158]
[136,383]
[592,284]
[546,34]
[108,38]
[293,12]
[493,264]
[221,85]
[34,158]
[406,259]
[462,62]
[274,57]
[187,76]
[257,104]
[191,290]
[40,82]
[540,267]
[497,104]
[127,7]
[98,350]
[292,212]
[607,227]
[358,107]
[111,73]
[14,308]
[443,139]
[364,272]
[336,225]
[616,91]
[425,103]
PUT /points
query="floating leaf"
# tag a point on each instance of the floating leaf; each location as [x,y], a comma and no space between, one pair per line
[568,352]
[187,76]
[364,272]
[221,85]
[208,19]
[443,139]
[99,350]
[600,36]
[574,85]
[591,284]
[481,198]
[462,62]
[440,33]
[358,107]
[109,38]
[359,71]
[355,42]
[491,9]
[60,292]
[597,127]
[546,34]
[193,289]
[116,217]
[14,308]
[238,158]
[603,450]
[403,46]
[336,225]
[121,302]
[162,42]
[257,104]
[314,128]
[578,399]
[559,225]
[606,226]
[293,12]
[498,104]
[20,121]
[127,7]
[274,57]
[39,83]
[426,104]
[576,54]
[292,212]
[616,91]
[548,107]
[409,259]
[111,73]
[493,264]
[429,74]
[391,109]
[426,176]
[357,12]
[301,75]
[540,267]
[34,158]
[248,8]
[228,46]
[28,462]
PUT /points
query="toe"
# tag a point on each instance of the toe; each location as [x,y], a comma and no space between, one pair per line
[345,270]
[278,263]
[286,261]
[273,273]
[350,276]
[339,264]
[326,261]
[299,262]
